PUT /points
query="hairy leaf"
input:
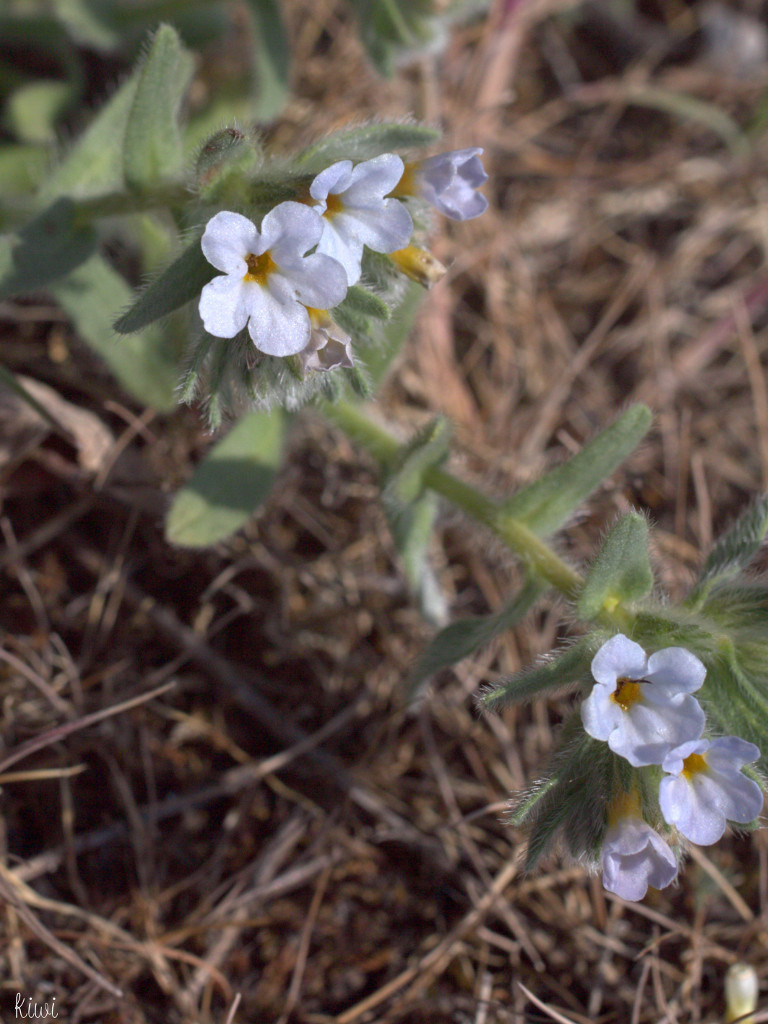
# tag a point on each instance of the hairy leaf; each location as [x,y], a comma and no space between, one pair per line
[272,58]
[178,284]
[47,248]
[546,504]
[230,483]
[735,549]
[146,364]
[153,147]
[561,671]
[621,572]
[463,637]
[365,142]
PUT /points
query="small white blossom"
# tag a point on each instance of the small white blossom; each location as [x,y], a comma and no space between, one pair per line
[634,857]
[449,182]
[642,706]
[355,212]
[268,279]
[706,788]
[329,347]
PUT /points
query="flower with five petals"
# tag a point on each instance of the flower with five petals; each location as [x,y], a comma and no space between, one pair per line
[355,213]
[705,787]
[642,706]
[268,279]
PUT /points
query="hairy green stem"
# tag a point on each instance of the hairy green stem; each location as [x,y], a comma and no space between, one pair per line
[529,548]
[111,204]
[115,204]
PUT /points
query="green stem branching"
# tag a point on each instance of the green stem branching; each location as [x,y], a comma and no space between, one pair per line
[531,550]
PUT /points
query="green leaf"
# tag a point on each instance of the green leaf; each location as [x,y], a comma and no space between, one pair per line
[621,572]
[556,673]
[572,800]
[546,504]
[736,548]
[463,637]
[393,29]
[178,284]
[88,21]
[365,142]
[153,146]
[33,110]
[389,338]
[94,165]
[272,59]
[230,483]
[363,303]
[47,248]
[427,449]
[412,528]
[146,364]
[21,168]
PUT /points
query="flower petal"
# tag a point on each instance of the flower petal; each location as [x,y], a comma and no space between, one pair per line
[318,281]
[599,714]
[373,179]
[675,669]
[228,238]
[289,230]
[682,806]
[278,325]
[449,182]
[618,656]
[342,247]
[224,306]
[385,228]
[648,733]
[333,179]
[634,857]
[732,750]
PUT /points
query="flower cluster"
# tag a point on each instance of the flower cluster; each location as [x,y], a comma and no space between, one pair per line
[280,280]
[644,709]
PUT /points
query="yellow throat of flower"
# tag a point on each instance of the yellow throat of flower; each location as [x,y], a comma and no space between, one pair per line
[333,205]
[627,692]
[408,184]
[693,765]
[624,805]
[259,267]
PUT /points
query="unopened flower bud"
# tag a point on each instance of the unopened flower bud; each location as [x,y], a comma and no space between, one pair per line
[218,151]
[740,993]
[418,264]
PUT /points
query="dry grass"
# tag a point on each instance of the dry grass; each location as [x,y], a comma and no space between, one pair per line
[277,837]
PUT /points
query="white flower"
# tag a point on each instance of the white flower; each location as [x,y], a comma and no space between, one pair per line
[449,182]
[355,212]
[706,788]
[268,278]
[643,706]
[329,347]
[634,857]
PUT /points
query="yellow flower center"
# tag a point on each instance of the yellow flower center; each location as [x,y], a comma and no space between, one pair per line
[259,267]
[627,692]
[693,764]
[333,204]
